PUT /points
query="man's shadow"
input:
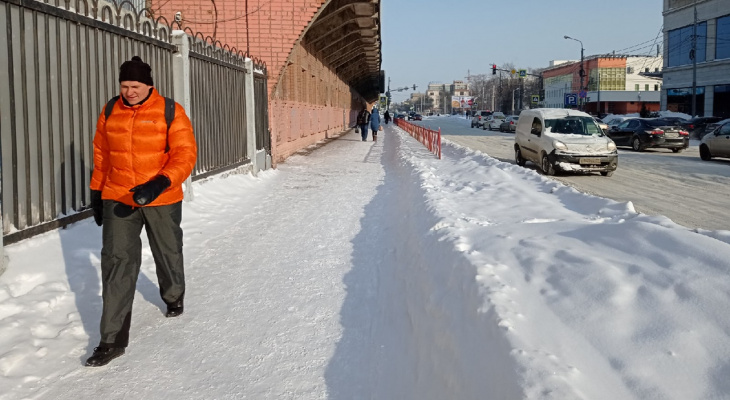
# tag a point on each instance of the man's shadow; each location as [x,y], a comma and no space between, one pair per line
[81,244]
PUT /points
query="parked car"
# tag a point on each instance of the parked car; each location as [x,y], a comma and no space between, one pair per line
[696,126]
[709,128]
[613,120]
[417,117]
[493,121]
[675,120]
[640,134]
[717,143]
[478,118]
[399,116]
[563,140]
[509,124]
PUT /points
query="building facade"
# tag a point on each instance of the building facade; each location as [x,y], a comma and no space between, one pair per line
[707,37]
[612,84]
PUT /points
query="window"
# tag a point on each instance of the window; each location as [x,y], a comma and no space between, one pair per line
[680,45]
[680,100]
[646,87]
[629,70]
[536,127]
[721,103]
[722,47]
[725,130]
[656,87]
[636,87]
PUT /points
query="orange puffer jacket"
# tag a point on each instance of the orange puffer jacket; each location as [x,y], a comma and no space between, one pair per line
[129,150]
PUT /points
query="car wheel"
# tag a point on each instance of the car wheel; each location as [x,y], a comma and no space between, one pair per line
[472,125]
[705,153]
[607,173]
[546,167]
[518,158]
[678,149]
[636,144]
[484,127]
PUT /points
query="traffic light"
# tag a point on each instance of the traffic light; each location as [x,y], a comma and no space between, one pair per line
[494,69]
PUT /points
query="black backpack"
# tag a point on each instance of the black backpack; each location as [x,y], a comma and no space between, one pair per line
[362,118]
[169,113]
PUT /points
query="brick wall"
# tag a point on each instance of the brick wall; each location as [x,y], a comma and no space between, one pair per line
[307,101]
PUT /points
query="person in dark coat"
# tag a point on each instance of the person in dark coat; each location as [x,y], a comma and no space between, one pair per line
[386,116]
[363,118]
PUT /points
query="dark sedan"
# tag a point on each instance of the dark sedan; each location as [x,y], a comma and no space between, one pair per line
[641,134]
[696,126]
[417,117]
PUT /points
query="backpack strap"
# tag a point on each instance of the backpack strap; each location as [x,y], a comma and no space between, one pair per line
[169,117]
[110,106]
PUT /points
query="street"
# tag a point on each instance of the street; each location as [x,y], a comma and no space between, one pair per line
[680,186]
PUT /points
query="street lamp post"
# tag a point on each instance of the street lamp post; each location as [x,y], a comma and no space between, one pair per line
[582,71]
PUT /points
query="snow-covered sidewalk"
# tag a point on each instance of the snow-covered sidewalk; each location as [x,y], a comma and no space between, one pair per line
[375,271]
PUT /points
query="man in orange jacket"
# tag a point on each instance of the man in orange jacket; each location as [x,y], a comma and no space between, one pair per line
[140,165]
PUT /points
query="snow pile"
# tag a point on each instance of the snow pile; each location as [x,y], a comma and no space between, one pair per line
[374,270]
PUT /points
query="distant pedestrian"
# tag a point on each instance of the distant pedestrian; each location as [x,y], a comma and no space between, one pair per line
[386,116]
[375,123]
[363,118]
[144,149]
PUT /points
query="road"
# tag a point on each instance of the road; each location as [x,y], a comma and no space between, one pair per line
[689,191]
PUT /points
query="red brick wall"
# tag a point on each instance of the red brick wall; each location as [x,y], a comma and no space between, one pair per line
[307,100]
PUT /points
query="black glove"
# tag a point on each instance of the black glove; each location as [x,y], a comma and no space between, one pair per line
[146,193]
[97,204]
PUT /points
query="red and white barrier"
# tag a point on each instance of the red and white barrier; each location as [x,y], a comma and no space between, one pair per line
[430,138]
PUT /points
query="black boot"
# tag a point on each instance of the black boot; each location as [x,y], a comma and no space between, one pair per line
[174,309]
[102,356]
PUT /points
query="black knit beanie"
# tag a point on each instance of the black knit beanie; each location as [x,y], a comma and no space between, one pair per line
[136,70]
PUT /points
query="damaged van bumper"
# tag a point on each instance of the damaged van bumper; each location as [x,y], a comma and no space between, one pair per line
[572,162]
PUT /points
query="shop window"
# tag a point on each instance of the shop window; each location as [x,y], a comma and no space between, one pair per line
[722,47]
[721,103]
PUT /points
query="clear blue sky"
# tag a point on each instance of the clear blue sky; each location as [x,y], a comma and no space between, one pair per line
[440,41]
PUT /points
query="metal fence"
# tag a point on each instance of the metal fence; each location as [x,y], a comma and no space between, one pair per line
[263,137]
[59,67]
[218,116]
[59,64]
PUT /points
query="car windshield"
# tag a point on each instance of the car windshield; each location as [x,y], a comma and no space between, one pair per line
[658,122]
[574,125]
[666,122]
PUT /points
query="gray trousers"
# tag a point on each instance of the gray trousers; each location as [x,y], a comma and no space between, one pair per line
[121,257]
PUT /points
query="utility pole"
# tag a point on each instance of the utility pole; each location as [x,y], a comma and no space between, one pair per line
[598,69]
[693,54]
[582,73]
[522,91]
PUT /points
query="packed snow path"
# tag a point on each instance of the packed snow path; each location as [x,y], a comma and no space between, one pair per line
[375,271]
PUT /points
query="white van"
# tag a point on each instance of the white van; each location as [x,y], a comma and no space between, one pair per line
[558,139]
